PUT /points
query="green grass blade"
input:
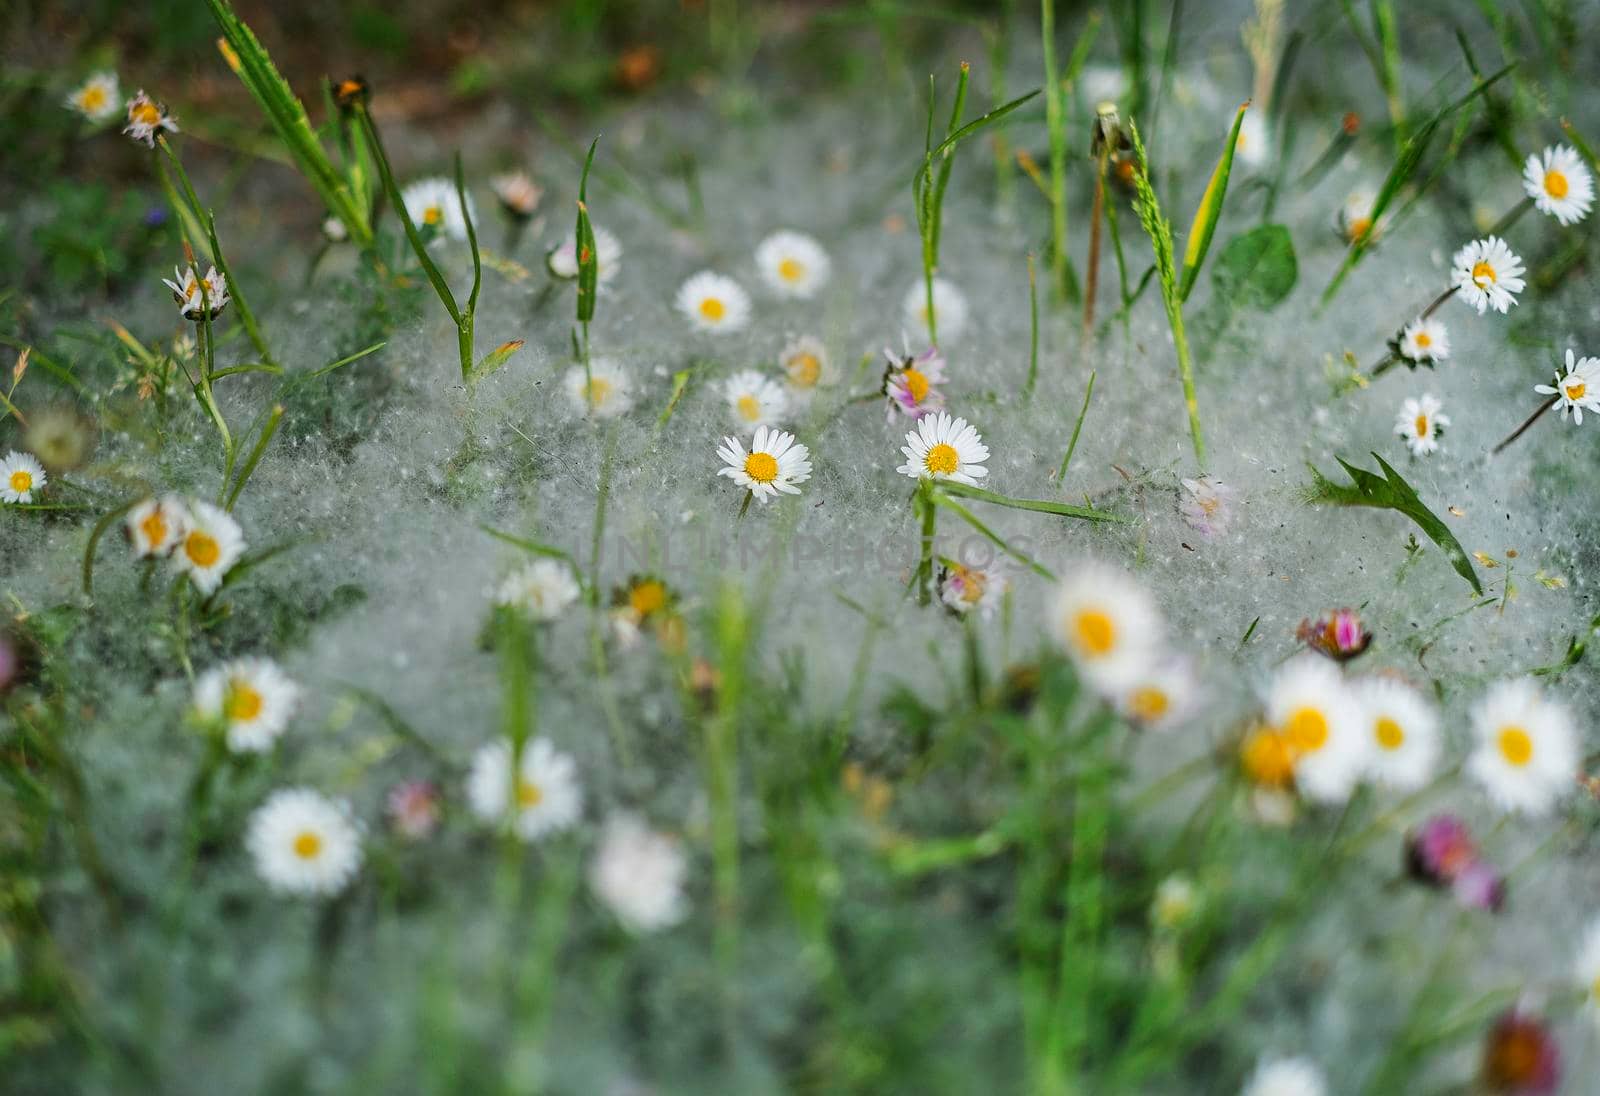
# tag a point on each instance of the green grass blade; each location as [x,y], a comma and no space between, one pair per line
[587,257]
[1041,506]
[1209,213]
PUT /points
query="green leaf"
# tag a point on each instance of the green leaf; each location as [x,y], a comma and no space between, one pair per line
[1391,492]
[1209,212]
[1256,269]
[583,237]
[1043,506]
[495,358]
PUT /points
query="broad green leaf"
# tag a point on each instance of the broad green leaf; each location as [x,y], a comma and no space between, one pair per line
[1206,216]
[1391,492]
[1256,269]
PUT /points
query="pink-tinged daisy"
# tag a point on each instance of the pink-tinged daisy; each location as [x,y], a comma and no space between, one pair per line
[963,589]
[1577,390]
[775,462]
[1207,505]
[1487,275]
[912,383]
[1559,184]
[942,448]
[1520,1056]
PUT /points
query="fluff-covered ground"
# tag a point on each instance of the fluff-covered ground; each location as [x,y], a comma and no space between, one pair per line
[856,736]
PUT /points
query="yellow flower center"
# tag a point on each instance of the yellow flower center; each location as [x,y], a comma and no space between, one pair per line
[598,391]
[243,703]
[1555,184]
[916,383]
[1576,389]
[749,408]
[791,270]
[145,113]
[804,370]
[529,794]
[1149,703]
[1516,745]
[713,309]
[1360,227]
[942,459]
[1483,274]
[1267,758]
[1424,340]
[761,467]
[202,549]
[21,481]
[433,215]
[1306,730]
[92,98]
[1095,632]
[647,597]
[154,528]
[1390,734]
[1421,426]
[307,845]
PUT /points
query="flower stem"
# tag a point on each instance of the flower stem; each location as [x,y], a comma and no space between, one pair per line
[1523,429]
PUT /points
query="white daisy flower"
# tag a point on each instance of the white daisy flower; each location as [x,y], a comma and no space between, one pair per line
[1424,341]
[949,309]
[942,448]
[1107,623]
[1254,146]
[1420,423]
[1528,752]
[1487,275]
[563,261]
[21,475]
[542,589]
[639,874]
[776,462]
[251,697]
[1207,505]
[517,193]
[604,391]
[1321,723]
[1355,216]
[792,264]
[98,98]
[212,544]
[1403,733]
[805,363]
[754,399]
[1560,184]
[1578,390]
[433,205]
[1588,970]
[1285,1077]
[547,796]
[197,297]
[156,526]
[304,843]
[146,117]
[964,589]
[714,303]
[1157,695]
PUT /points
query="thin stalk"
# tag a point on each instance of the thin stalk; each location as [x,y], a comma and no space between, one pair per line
[1523,429]
[1092,274]
[1077,428]
[930,517]
[1033,331]
[1055,125]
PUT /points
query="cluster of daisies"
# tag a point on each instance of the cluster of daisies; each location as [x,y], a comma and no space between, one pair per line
[202,541]
[1487,275]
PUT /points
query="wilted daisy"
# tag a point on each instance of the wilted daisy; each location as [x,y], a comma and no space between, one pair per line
[1559,184]
[1421,423]
[563,261]
[1285,1077]
[1588,970]
[1107,623]
[304,843]
[1254,145]
[949,308]
[755,400]
[714,303]
[912,383]
[1521,1056]
[639,874]
[251,698]
[1321,722]
[542,589]
[776,462]
[413,809]
[792,264]
[156,526]
[1527,753]
[1402,731]
[1207,505]
[20,476]
[98,98]
[963,589]
[1487,275]
[1577,390]
[517,194]
[1424,342]
[1156,694]
[942,448]
[1355,218]
[146,117]
[602,391]
[212,544]
[804,362]
[645,601]
[198,298]
[544,792]
[60,436]
[434,207]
